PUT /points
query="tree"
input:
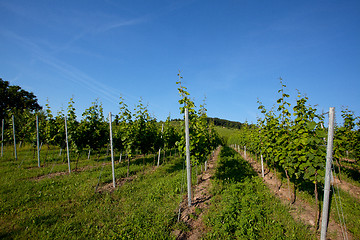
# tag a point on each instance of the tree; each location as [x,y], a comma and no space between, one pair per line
[12,97]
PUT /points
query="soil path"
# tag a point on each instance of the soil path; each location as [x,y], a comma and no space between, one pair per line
[353,190]
[192,216]
[55,174]
[75,170]
[300,210]
[109,187]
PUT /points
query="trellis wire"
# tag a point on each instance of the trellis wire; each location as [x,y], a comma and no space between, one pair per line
[22,161]
[341,218]
[182,188]
[97,185]
[52,168]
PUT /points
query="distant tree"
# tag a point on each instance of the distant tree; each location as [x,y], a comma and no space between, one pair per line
[12,97]
[225,123]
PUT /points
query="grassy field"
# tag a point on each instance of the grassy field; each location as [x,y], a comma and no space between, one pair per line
[49,203]
[67,206]
[243,207]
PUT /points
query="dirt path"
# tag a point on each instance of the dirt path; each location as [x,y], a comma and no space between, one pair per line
[300,210]
[78,170]
[353,190]
[109,187]
[75,170]
[192,216]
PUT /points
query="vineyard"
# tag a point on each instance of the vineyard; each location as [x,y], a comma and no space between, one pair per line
[123,176]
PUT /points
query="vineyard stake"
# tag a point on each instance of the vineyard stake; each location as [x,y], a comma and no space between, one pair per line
[2,138]
[112,151]
[67,145]
[329,156]
[188,166]
[158,161]
[262,166]
[89,154]
[37,139]
[13,122]
[162,129]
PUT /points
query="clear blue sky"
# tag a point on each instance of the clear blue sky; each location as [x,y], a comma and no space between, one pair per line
[232,52]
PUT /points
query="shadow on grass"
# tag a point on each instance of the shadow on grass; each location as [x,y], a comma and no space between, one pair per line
[232,167]
[176,165]
[351,173]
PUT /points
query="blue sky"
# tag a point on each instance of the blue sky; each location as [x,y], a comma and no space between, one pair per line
[232,52]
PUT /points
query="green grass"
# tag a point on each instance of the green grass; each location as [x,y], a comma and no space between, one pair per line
[350,172]
[243,207]
[351,209]
[226,133]
[67,206]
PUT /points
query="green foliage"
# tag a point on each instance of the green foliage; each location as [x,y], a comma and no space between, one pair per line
[170,135]
[347,137]
[307,151]
[93,131]
[13,97]
[122,131]
[145,131]
[136,131]
[295,146]
[203,137]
